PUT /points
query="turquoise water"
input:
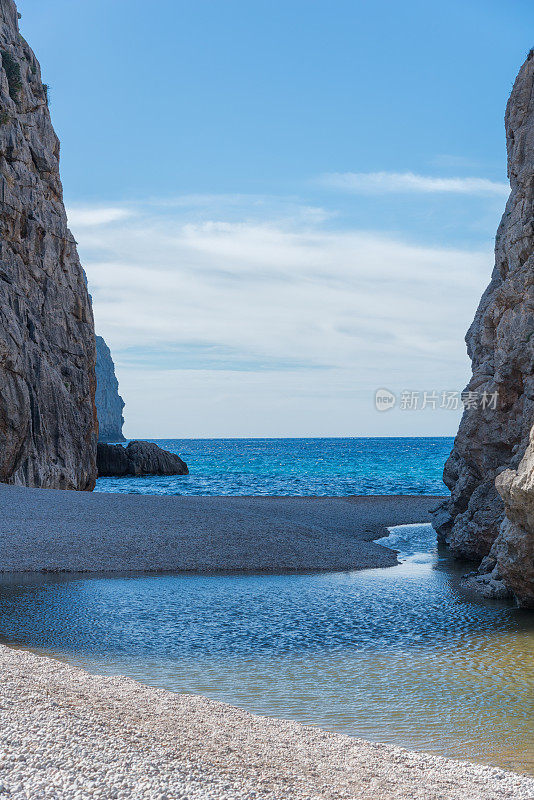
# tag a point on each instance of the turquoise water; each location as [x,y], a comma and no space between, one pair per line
[298,467]
[400,655]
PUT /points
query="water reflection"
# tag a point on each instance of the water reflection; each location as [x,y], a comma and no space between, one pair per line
[399,655]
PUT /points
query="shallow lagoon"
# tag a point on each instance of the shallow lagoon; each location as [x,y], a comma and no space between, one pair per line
[401,655]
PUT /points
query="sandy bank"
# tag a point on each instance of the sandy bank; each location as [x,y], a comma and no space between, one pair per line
[42,529]
[66,734]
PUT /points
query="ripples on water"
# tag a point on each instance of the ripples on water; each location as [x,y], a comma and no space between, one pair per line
[398,655]
[329,467]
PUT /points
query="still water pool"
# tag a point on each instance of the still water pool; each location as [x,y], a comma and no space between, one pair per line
[400,655]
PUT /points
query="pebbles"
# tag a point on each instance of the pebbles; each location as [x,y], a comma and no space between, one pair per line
[43,529]
[68,735]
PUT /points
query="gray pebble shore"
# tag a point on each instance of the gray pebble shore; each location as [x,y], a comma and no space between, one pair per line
[68,735]
[43,529]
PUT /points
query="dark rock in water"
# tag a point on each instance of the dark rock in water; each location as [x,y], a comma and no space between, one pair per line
[149,459]
[490,472]
[109,403]
[138,458]
[48,426]
[112,461]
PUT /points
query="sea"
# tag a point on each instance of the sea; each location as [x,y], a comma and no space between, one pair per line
[299,467]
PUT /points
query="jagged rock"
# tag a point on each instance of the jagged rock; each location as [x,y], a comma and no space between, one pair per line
[48,423]
[488,585]
[513,549]
[500,343]
[138,458]
[109,403]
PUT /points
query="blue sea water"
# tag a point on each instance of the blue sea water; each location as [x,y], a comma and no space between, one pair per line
[331,467]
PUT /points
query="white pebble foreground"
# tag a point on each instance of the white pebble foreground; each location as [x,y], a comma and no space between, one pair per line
[68,735]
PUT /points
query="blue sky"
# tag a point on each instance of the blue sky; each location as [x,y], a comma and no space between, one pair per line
[282,206]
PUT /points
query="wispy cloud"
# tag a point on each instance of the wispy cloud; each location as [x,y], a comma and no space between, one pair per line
[214,302]
[409,182]
[88,217]
[242,208]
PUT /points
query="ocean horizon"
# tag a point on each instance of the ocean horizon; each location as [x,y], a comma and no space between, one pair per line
[333,466]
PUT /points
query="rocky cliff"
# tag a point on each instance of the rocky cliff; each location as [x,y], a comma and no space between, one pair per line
[500,343]
[47,344]
[109,403]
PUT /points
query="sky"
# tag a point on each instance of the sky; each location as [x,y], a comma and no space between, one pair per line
[283,205]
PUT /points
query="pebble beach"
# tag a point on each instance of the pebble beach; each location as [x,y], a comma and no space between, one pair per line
[58,531]
[68,735]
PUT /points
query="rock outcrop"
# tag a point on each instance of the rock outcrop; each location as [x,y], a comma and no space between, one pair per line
[48,425]
[512,556]
[109,403]
[138,458]
[484,521]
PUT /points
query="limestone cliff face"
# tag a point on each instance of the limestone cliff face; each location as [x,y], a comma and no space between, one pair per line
[511,559]
[47,344]
[109,403]
[500,344]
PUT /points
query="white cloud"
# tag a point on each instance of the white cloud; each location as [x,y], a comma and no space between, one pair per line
[409,182]
[207,403]
[86,217]
[272,306]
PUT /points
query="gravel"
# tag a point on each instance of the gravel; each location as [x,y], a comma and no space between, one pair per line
[43,529]
[68,735]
